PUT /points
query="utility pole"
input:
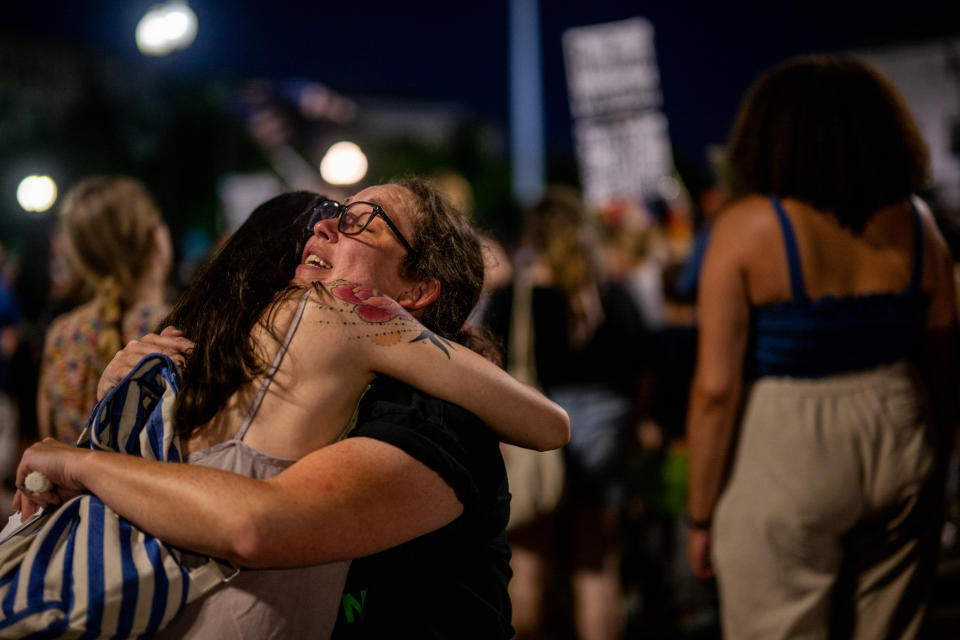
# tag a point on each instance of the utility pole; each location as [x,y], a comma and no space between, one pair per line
[526,102]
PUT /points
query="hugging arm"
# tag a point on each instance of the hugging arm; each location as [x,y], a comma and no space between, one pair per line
[394,343]
[381,336]
[347,500]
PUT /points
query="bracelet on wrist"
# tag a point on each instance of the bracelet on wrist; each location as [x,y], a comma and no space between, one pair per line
[699,524]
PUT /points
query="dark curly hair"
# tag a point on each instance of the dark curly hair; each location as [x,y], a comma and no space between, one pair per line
[829,130]
[445,247]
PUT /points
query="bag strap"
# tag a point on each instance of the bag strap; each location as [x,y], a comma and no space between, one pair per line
[208,575]
[521,363]
[274,367]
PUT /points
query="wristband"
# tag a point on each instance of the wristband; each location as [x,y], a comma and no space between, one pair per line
[698,525]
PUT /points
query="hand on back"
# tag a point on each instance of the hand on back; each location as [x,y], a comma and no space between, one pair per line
[169,342]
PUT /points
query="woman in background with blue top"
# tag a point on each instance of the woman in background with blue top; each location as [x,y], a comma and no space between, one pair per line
[821,414]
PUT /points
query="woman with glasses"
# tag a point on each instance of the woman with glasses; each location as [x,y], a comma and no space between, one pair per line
[413,471]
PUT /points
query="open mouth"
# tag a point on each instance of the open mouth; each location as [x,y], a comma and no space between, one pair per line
[317,261]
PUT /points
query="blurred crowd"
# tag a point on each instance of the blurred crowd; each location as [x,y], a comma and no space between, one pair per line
[594,303]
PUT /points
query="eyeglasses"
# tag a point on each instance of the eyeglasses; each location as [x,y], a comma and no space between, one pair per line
[353,218]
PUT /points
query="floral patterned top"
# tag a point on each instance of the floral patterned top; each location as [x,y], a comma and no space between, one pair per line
[71,369]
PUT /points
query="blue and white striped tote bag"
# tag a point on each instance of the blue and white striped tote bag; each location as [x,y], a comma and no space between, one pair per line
[80,570]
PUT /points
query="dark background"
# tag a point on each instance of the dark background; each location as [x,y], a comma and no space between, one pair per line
[76,97]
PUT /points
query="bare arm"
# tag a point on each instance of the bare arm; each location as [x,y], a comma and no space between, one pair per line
[939,363]
[394,343]
[723,311]
[347,500]
[380,335]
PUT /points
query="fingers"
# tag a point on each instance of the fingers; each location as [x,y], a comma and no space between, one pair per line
[25,467]
[176,347]
[27,508]
[166,344]
[52,459]
[698,554]
[702,568]
[170,343]
[28,504]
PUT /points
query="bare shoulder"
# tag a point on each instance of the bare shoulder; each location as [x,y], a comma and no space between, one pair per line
[361,316]
[749,211]
[931,230]
[744,225]
[938,262]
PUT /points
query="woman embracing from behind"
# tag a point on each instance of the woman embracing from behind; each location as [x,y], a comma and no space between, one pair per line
[117,241]
[822,409]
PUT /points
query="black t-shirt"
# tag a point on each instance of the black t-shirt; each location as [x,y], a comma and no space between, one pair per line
[451,583]
[616,354]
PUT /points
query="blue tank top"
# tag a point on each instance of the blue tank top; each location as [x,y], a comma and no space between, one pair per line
[806,338]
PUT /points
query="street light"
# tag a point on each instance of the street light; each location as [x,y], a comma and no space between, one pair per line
[343,163]
[166,28]
[37,193]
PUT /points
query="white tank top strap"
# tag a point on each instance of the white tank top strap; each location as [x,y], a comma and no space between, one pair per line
[274,366]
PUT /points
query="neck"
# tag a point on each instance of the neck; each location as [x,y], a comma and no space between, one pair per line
[152,285]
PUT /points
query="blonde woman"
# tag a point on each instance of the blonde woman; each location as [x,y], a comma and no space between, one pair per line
[117,241]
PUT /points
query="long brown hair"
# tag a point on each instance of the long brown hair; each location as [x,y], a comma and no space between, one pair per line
[228,297]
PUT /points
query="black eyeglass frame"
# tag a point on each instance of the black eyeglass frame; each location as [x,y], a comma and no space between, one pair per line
[318,210]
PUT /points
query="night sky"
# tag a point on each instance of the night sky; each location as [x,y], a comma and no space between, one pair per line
[457,51]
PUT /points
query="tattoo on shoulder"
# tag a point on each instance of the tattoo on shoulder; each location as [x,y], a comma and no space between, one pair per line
[381,318]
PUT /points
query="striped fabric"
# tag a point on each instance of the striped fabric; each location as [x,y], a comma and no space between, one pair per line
[80,570]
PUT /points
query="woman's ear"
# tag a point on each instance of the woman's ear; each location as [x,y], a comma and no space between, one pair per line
[420,294]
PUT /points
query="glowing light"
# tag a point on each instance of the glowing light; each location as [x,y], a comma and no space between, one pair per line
[344,163]
[37,193]
[166,28]
[669,188]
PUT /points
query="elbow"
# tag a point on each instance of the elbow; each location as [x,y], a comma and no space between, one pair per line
[247,544]
[560,431]
[711,396]
[563,430]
